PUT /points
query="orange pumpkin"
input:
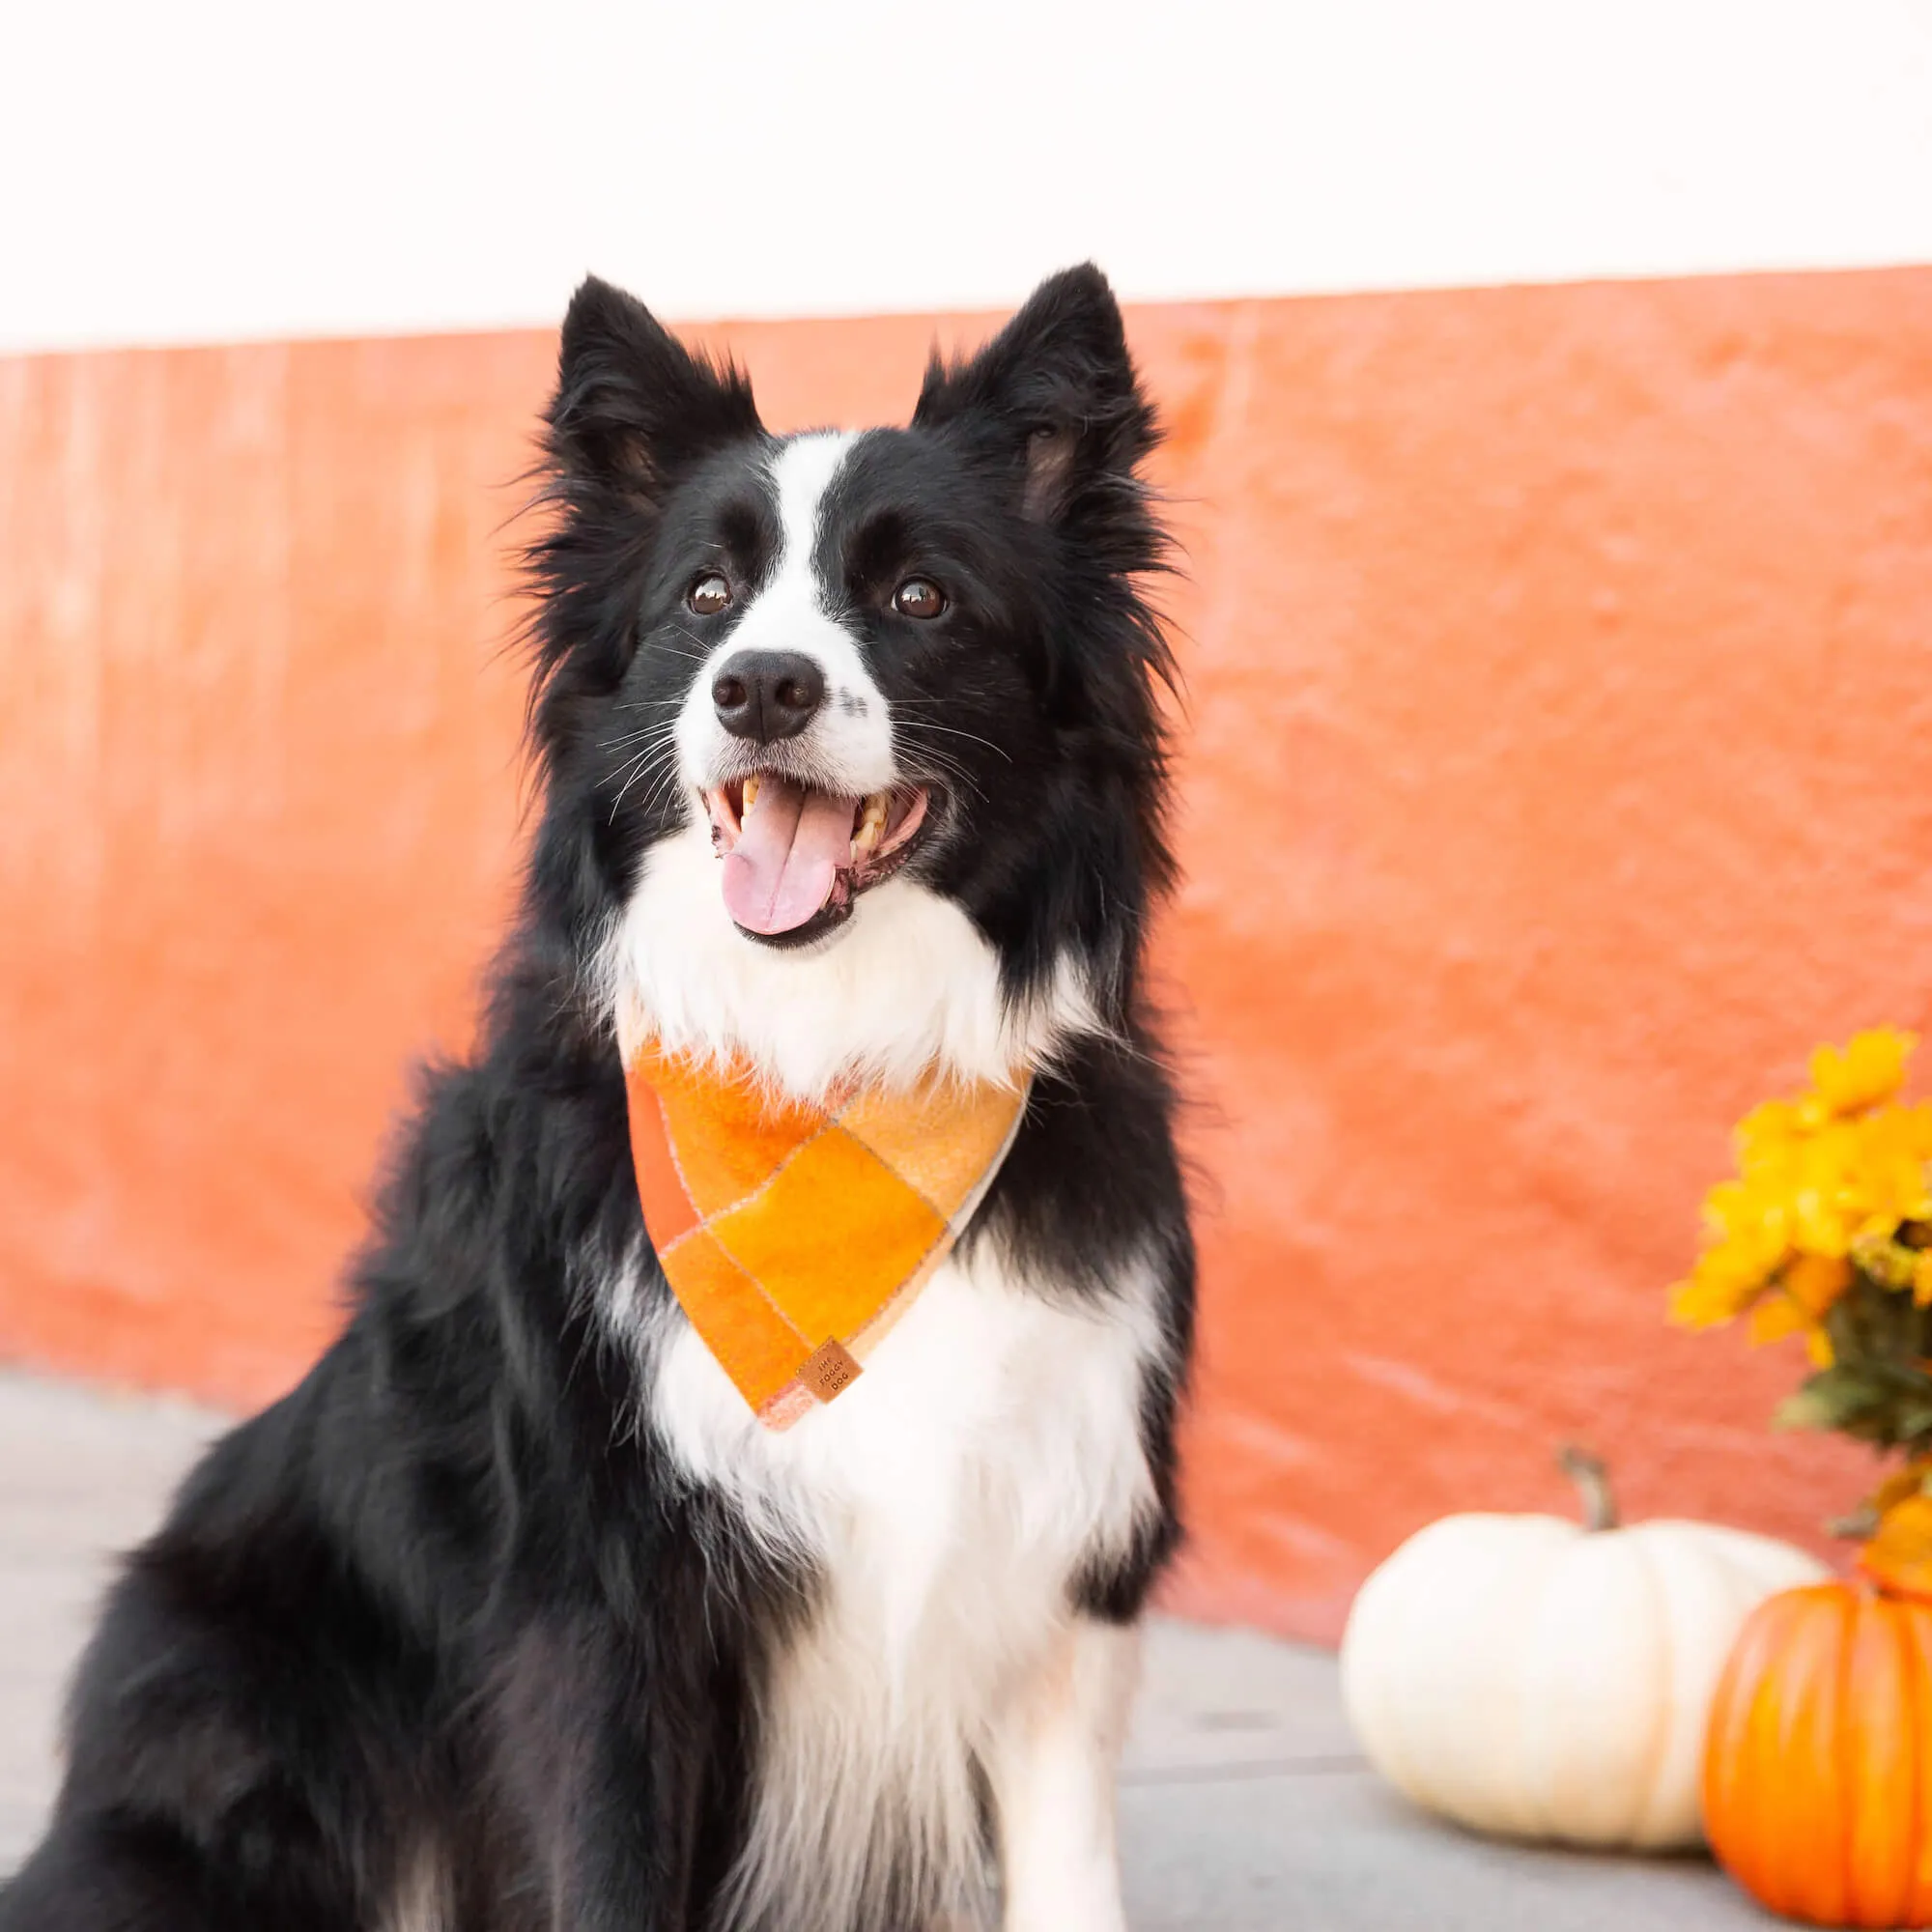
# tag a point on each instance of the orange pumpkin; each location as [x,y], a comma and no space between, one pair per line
[1818,1761]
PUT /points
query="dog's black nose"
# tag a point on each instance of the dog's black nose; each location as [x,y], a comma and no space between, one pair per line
[767,695]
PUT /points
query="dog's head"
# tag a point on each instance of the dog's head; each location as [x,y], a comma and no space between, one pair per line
[846,733]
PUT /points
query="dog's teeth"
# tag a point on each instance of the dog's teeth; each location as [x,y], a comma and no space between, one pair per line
[870,826]
[750,792]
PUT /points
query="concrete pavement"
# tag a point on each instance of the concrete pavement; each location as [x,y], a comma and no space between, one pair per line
[1246,1807]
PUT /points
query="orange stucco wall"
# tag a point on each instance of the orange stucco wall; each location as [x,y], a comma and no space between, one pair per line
[1558,768]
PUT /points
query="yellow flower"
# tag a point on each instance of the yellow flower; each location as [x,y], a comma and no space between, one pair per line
[1922,1280]
[1869,1069]
[1810,1191]
[1893,1147]
[1729,1276]
[1698,1303]
[1768,1131]
[1899,1554]
[1751,1213]
[1883,1260]
[1815,1283]
[1777,1316]
[1824,1184]
[1797,1305]
[1909,1481]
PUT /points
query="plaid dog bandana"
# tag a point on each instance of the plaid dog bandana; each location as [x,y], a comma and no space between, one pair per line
[795,1236]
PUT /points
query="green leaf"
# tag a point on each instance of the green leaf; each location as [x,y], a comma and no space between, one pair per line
[1839,1396]
[1878,1389]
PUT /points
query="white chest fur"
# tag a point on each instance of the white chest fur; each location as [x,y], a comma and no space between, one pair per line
[947,1500]
[996,1429]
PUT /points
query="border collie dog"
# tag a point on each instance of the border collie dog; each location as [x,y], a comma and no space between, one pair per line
[513,1616]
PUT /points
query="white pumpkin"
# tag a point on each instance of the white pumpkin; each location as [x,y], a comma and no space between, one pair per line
[1542,1679]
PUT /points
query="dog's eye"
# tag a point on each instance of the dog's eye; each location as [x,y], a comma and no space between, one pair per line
[916,597]
[709,595]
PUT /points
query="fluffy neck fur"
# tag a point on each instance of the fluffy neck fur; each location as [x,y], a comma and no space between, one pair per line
[911,987]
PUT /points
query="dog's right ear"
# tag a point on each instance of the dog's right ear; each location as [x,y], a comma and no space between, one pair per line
[633,405]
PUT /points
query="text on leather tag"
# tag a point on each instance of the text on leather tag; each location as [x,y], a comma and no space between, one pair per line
[828,1370]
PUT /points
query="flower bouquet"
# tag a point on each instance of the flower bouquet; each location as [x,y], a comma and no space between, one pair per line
[1818,1766]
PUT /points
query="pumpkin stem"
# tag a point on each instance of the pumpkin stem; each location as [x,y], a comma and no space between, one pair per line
[1593,1486]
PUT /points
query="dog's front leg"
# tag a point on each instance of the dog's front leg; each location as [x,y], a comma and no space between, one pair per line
[1051,1770]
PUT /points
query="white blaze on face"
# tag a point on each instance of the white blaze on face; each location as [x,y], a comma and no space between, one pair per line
[848,747]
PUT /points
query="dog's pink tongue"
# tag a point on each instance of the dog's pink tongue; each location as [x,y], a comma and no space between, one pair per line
[787,856]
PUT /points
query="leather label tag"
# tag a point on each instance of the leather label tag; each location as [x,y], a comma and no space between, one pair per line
[828,1370]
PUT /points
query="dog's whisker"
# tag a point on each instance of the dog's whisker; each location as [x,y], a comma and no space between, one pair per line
[638,765]
[631,738]
[952,731]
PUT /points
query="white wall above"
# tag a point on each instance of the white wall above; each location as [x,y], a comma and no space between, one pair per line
[218,169]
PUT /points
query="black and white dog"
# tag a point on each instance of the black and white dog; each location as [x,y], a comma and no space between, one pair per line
[512,1616]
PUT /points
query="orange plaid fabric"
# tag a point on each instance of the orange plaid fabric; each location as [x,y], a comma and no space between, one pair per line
[793,1235]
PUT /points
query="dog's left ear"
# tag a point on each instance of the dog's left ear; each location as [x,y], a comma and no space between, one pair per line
[1052,399]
